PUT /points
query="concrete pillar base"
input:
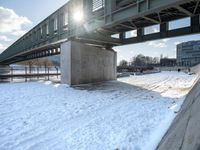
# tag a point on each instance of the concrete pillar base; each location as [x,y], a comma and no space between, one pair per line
[81,64]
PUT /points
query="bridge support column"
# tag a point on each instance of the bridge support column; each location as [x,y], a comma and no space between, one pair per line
[81,63]
[4,69]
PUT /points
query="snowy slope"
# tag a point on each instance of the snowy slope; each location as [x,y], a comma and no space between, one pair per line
[132,113]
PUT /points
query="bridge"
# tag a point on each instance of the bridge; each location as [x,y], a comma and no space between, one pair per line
[83,32]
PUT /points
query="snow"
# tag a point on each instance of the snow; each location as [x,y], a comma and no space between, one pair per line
[132,113]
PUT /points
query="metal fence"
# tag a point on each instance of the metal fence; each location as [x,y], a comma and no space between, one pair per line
[25,73]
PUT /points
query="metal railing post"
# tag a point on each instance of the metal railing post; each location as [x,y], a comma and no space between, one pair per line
[48,72]
[38,73]
[11,69]
[25,74]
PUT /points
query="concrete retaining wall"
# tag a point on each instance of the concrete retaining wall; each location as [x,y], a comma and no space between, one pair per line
[196,69]
[184,133]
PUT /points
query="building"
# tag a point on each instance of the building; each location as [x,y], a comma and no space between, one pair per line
[188,53]
[168,62]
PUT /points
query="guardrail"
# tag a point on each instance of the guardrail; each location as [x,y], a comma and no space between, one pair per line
[9,74]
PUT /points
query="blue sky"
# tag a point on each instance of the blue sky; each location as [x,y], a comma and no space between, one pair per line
[21,15]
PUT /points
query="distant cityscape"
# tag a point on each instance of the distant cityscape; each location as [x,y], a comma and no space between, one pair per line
[187,55]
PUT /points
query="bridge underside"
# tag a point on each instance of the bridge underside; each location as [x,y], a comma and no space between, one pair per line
[49,50]
[122,16]
[104,19]
[173,11]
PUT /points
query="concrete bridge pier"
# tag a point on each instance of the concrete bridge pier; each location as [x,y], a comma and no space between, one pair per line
[81,63]
[4,69]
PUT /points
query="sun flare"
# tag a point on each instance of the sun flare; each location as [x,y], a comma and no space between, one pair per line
[78,16]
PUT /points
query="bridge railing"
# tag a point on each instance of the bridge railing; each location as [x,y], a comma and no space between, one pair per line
[25,72]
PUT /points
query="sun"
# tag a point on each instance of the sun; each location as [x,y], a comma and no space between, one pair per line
[78,16]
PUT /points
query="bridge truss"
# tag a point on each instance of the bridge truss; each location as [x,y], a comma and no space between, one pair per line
[102,20]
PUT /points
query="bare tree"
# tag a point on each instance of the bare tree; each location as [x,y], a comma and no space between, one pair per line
[123,63]
[141,60]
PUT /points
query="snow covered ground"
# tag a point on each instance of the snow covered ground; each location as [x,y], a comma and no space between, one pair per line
[132,113]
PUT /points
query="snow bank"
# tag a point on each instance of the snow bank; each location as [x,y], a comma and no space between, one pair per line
[131,113]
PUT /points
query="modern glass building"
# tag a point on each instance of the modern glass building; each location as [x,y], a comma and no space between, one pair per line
[188,53]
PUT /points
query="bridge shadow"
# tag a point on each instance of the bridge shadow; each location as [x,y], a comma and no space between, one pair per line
[126,89]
